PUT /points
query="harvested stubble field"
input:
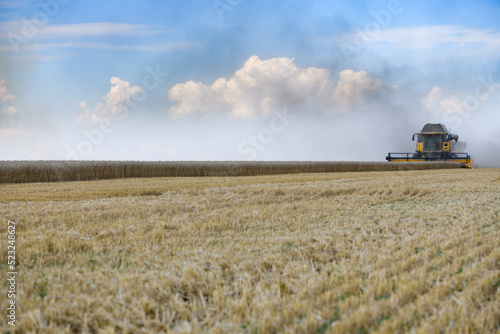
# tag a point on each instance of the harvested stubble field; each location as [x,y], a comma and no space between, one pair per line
[412,251]
[57,171]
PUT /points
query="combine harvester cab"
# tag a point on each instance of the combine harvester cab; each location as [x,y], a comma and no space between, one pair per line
[435,143]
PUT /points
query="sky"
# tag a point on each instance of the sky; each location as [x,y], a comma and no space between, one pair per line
[245,80]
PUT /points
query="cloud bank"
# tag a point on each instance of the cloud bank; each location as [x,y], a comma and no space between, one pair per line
[115,106]
[460,102]
[262,86]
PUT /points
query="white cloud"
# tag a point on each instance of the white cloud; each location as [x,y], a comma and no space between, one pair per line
[433,98]
[13,37]
[19,35]
[454,103]
[7,110]
[263,86]
[98,29]
[459,102]
[76,30]
[115,106]
[3,91]
[424,37]
[355,87]
[167,46]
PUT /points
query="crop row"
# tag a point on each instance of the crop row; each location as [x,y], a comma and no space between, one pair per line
[54,171]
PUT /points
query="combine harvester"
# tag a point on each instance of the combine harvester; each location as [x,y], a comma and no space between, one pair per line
[435,143]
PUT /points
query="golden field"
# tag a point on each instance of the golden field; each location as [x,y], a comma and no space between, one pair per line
[59,171]
[358,252]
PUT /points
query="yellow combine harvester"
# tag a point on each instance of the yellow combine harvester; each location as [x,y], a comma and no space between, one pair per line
[435,143]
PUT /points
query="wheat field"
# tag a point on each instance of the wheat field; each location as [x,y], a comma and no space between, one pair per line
[57,171]
[358,252]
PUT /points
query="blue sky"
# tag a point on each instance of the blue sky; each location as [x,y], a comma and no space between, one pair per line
[381,68]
